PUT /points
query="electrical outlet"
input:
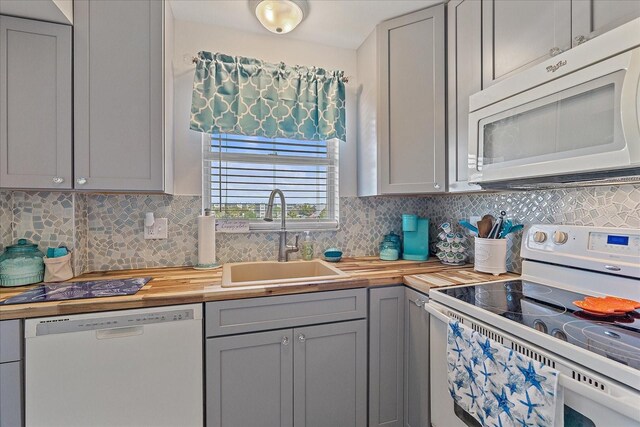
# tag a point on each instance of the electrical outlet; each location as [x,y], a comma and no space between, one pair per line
[158,230]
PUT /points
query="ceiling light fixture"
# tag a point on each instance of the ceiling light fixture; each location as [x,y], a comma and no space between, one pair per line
[279,16]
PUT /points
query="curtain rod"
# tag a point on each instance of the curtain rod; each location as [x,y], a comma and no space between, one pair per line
[195,59]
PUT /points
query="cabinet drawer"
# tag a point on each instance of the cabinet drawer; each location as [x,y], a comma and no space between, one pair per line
[10,341]
[259,314]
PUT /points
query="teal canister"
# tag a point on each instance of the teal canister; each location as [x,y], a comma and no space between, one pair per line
[390,248]
[21,264]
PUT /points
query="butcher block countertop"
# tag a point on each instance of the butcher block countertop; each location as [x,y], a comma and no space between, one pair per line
[182,285]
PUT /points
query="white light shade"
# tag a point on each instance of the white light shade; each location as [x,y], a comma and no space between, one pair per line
[280,16]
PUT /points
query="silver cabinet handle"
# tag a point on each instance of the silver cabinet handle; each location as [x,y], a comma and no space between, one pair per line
[58,180]
[285,340]
[436,185]
[612,267]
[81,181]
[301,338]
[555,51]
[580,39]
[419,302]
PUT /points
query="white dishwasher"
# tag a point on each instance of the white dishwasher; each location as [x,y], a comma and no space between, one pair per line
[115,369]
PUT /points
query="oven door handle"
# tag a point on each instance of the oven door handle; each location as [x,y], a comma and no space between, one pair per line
[626,403]
[436,313]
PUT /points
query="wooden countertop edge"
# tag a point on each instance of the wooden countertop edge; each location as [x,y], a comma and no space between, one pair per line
[183,285]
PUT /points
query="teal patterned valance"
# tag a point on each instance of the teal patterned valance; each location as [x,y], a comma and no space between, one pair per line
[247,96]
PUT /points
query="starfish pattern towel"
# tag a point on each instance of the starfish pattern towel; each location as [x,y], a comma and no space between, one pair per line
[497,385]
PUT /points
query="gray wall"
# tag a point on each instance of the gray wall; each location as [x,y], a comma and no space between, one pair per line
[106,230]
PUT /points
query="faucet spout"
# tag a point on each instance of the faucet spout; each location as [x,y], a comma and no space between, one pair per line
[283,249]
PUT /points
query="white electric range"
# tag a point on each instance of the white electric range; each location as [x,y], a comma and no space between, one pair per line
[598,356]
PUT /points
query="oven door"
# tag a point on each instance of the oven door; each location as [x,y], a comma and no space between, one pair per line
[586,121]
[583,404]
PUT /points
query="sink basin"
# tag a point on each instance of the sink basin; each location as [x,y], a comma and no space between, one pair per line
[272,272]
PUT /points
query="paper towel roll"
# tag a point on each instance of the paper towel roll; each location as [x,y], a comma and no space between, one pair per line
[207,241]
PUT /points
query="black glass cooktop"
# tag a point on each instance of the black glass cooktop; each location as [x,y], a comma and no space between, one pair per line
[550,310]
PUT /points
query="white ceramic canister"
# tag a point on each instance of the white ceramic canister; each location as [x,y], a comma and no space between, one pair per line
[491,256]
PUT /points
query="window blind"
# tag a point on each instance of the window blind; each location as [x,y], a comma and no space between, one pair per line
[241,171]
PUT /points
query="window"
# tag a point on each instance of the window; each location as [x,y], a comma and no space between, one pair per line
[241,171]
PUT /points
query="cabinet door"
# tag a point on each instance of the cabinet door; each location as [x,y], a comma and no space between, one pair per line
[118,83]
[10,394]
[412,103]
[249,380]
[330,375]
[386,347]
[464,78]
[590,18]
[518,34]
[416,360]
[35,104]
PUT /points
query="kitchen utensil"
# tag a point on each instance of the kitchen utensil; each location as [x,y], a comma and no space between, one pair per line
[485,225]
[513,229]
[607,305]
[495,230]
[468,226]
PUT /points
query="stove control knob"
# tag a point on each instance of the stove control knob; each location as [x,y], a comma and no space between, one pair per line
[560,237]
[557,333]
[539,237]
[539,325]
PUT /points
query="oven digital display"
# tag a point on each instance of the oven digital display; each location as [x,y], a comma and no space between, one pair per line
[618,240]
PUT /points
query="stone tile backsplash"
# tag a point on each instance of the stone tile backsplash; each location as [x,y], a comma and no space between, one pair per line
[106,231]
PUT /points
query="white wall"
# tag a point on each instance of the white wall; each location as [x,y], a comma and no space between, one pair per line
[192,37]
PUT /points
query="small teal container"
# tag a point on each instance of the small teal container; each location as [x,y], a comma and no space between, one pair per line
[390,247]
[21,264]
[409,222]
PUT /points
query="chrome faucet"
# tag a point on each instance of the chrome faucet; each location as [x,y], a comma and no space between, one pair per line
[283,249]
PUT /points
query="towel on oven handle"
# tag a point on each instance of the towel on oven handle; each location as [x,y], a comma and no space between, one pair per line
[497,385]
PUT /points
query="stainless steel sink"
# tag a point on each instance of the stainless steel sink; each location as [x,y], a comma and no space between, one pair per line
[272,273]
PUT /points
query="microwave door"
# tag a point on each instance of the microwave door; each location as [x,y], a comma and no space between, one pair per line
[570,125]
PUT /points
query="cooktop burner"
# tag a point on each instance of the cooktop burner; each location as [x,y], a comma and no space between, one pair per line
[550,310]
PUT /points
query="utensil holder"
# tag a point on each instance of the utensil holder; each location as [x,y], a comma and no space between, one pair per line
[490,256]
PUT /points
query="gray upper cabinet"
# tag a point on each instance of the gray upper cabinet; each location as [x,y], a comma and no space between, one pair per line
[330,375]
[386,347]
[464,78]
[35,104]
[411,103]
[416,360]
[518,34]
[119,82]
[250,380]
[594,17]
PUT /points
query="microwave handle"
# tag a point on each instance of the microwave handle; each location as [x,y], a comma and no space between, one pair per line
[625,404]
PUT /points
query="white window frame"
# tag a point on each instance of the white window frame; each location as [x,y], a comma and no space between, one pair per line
[293,224]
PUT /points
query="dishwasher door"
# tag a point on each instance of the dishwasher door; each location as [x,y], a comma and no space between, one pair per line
[117,369]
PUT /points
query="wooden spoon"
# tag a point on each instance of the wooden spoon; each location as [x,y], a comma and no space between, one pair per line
[485,225]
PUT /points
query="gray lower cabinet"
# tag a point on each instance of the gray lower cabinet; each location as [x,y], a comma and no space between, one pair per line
[35,104]
[416,360]
[303,377]
[464,78]
[411,103]
[250,380]
[11,379]
[386,356]
[330,375]
[119,96]
[518,34]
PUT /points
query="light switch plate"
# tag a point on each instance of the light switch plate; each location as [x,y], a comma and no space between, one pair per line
[158,230]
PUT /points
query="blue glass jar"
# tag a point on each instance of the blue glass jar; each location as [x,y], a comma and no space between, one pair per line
[390,247]
[21,264]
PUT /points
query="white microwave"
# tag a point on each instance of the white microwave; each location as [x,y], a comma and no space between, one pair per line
[573,119]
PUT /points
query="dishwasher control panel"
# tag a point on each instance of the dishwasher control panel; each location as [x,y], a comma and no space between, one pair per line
[97,321]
